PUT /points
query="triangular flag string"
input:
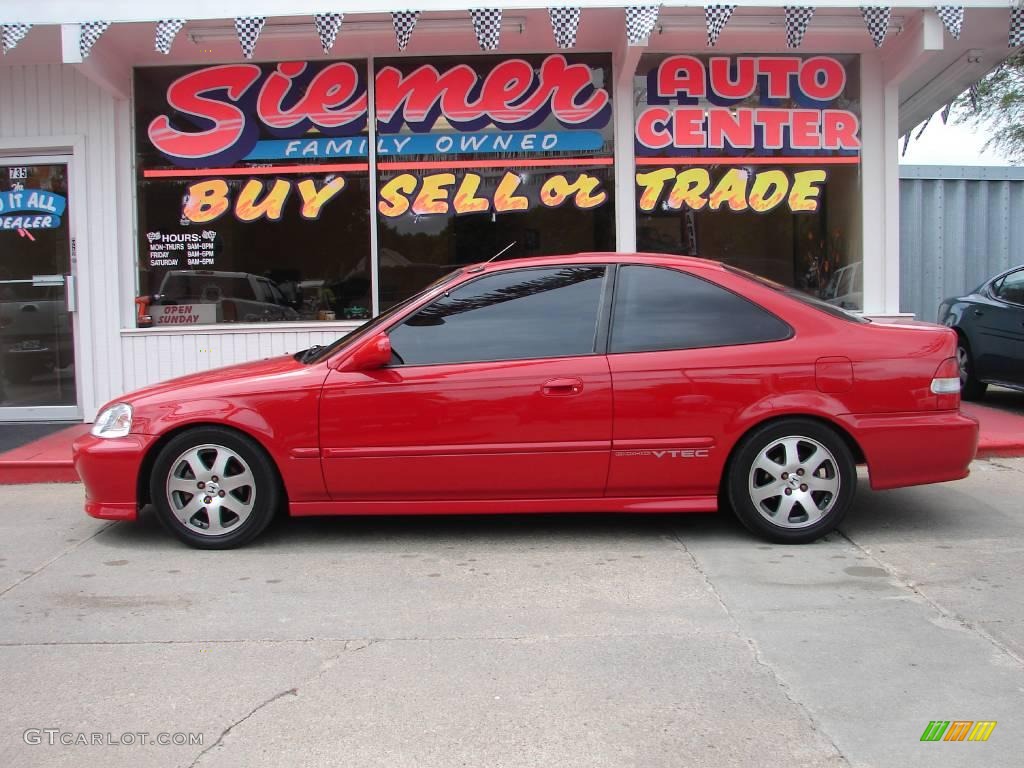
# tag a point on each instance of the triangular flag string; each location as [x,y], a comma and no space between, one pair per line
[89,33]
[952,17]
[923,126]
[404,23]
[716,17]
[876,19]
[12,34]
[487,26]
[166,31]
[327,26]
[640,21]
[565,22]
[797,19]
[1016,25]
[248,29]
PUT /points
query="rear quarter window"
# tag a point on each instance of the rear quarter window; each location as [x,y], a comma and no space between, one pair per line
[658,308]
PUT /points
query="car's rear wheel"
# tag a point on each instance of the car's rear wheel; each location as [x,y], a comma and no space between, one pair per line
[792,481]
[970,387]
[214,488]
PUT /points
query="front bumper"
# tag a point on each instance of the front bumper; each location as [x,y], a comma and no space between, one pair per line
[904,449]
[109,468]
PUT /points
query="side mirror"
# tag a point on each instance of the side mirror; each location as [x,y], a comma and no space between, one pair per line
[372,354]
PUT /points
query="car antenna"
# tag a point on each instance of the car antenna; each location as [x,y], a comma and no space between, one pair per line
[499,253]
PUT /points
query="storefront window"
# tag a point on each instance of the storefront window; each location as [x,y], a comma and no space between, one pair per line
[487,154]
[754,161]
[253,193]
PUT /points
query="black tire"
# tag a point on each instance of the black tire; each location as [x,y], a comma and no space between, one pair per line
[970,387]
[241,510]
[836,476]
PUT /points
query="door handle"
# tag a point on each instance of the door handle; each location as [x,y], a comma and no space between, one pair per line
[563,386]
[978,313]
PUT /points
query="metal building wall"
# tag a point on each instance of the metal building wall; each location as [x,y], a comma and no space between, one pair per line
[958,226]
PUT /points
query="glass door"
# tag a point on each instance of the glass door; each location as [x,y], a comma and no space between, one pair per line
[37,348]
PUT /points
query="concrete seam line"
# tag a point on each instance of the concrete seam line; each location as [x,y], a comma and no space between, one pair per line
[937,607]
[755,651]
[57,557]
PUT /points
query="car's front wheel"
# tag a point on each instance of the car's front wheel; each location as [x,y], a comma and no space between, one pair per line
[214,488]
[792,481]
[970,387]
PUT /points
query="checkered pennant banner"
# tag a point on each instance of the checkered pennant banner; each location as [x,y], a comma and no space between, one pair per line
[952,17]
[166,31]
[487,25]
[716,17]
[1016,25]
[327,26]
[797,19]
[405,23]
[564,23]
[89,33]
[11,35]
[248,29]
[640,21]
[876,19]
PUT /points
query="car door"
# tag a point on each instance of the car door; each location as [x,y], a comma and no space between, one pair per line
[999,324]
[495,392]
[687,357]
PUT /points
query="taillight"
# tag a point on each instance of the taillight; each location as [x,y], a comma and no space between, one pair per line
[946,385]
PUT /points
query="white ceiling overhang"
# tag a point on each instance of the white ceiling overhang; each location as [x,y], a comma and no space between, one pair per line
[71,11]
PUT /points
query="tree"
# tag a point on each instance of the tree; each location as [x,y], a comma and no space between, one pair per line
[995,106]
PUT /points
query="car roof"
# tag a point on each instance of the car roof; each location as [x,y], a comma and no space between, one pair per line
[601,257]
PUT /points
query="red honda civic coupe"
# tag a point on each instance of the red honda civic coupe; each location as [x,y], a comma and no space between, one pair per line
[590,383]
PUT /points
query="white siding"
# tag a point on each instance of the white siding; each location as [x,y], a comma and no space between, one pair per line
[156,355]
[51,100]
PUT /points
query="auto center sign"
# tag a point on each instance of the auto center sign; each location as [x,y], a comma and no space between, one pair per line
[710,126]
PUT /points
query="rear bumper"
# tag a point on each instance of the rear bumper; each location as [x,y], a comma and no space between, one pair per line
[904,449]
[109,468]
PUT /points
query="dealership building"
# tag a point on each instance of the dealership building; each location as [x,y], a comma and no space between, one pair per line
[187,184]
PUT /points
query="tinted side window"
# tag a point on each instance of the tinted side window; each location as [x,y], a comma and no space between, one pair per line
[529,313]
[659,308]
[1011,287]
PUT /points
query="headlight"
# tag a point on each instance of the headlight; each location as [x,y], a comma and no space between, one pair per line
[115,421]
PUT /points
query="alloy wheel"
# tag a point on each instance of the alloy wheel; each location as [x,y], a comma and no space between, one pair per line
[794,482]
[963,361]
[211,489]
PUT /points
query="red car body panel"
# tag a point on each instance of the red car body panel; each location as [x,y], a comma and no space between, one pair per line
[502,430]
[642,431]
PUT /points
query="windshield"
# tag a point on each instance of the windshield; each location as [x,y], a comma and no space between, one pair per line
[793,293]
[382,319]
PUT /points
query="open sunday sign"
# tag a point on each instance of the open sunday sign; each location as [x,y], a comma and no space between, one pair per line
[31,209]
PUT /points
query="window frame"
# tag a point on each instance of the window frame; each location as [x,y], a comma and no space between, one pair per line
[601,323]
[688,273]
[999,283]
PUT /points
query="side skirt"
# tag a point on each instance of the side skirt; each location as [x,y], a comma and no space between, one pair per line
[654,504]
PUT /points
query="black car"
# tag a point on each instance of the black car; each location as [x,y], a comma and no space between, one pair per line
[990,324]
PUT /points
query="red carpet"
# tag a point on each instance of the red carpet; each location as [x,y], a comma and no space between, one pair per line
[1002,432]
[48,460]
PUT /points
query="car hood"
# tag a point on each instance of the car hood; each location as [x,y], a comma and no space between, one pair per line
[226,381]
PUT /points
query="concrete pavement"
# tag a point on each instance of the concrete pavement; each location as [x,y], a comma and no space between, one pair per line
[532,641]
